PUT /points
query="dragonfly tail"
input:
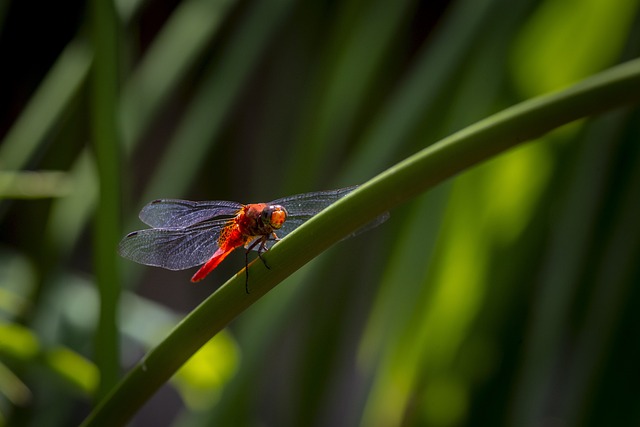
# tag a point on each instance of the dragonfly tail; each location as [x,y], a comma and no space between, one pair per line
[210,265]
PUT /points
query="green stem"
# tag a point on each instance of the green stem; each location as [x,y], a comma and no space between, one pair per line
[420,172]
[107,226]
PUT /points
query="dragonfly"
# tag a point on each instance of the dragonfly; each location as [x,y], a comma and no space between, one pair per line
[186,234]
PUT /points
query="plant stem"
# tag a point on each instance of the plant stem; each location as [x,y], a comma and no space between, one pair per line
[424,170]
[107,225]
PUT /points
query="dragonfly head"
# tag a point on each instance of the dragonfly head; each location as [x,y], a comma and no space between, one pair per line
[274,216]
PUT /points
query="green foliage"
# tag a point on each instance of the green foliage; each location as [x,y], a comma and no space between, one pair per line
[501,291]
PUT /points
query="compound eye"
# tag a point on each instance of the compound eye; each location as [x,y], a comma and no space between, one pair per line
[277,216]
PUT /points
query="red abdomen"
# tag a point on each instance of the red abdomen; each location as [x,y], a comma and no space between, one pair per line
[230,239]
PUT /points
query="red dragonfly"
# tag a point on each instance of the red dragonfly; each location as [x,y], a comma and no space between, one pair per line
[186,234]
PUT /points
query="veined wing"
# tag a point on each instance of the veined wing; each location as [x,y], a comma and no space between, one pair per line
[307,205]
[176,214]
[301,207]
[173,249]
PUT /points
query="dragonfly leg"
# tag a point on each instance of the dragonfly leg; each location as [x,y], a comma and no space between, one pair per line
[246,271]
[261,249]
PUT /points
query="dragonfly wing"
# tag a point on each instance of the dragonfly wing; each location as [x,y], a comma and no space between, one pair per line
[372,224]
[307,205]
[291,225]
[177,214]
[173,249]
[302,207]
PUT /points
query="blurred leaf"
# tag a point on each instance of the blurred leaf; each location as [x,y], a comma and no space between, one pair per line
[612,286]
[16,283]
[106,32]
[12,388]
[18,342]
[69,214]
[419,92]
[47,107]
[215,95]
[74,369]
[174,52]
[443,401]
[128,8]
[34,185]
[567,40]
[202,377]
[408,265]
[12,303]
[563,265]
[513,186]
[351,64]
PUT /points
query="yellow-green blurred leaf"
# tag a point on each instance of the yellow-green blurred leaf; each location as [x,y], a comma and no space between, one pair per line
[74,369]
[18,342]
[201,379]
[34,185]
[567,40]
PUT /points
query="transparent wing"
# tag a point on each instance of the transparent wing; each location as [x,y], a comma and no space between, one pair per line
[176,214]
[307,205]
[185,233]
[173,249]
[301,207]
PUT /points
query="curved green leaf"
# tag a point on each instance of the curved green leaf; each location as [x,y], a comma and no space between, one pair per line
[615,87]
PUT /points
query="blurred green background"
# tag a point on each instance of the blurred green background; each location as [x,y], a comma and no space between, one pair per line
[506,296]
